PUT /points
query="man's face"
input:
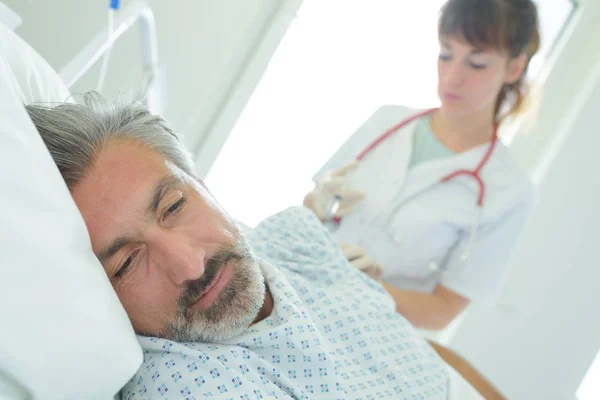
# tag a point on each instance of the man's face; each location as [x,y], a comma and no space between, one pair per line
[179,264]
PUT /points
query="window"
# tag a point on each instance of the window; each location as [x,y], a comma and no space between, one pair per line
[590,387]
[554,16]
[339,61]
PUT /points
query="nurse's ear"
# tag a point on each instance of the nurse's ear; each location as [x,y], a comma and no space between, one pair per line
[515,69]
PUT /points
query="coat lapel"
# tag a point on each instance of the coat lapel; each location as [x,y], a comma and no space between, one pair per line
[430,173]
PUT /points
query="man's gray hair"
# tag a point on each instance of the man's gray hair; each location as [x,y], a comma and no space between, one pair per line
[75,133]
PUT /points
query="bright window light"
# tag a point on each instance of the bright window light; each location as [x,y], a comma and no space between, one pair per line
[590,387]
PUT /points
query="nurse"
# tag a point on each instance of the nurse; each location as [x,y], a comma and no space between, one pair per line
[437,204]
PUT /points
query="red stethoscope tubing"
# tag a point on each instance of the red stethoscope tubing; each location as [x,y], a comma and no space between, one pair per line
[474,173]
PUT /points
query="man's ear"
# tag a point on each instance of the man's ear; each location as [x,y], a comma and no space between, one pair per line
[516,69]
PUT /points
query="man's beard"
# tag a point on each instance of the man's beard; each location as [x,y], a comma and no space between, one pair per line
[236,307]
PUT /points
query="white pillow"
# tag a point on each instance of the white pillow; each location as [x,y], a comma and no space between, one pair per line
[63,332]
[32,77]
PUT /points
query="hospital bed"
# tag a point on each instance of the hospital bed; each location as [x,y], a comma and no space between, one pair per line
[64,333]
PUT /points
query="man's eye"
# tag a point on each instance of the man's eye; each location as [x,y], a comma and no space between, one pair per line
[126,265]
[175,207]
[445,57]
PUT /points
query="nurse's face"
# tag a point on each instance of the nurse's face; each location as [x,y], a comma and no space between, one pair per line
[470,79]
[179,264]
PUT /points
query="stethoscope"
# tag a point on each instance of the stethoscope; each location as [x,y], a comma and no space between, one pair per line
[474,173]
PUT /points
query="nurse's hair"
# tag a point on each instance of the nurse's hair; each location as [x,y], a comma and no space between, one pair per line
[505,25]
[76,133]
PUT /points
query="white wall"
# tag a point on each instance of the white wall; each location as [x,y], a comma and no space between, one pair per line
[205,45]
[541,338]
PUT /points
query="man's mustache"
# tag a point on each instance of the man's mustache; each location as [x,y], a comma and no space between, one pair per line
[195,288]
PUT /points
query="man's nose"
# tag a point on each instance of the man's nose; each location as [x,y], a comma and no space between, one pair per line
[177,257]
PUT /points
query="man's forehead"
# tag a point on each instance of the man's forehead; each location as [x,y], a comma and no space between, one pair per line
[117,190]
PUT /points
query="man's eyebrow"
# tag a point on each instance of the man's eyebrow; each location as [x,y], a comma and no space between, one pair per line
[163,186]
[112,248]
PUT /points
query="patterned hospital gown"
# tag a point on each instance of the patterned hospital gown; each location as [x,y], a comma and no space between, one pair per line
[333,334]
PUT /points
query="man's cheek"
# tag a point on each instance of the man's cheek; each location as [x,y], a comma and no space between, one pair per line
[139,307]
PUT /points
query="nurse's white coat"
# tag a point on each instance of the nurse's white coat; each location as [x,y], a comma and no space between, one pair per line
[418,227]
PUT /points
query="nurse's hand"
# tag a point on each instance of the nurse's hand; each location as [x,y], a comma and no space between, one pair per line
[359,259]
[334,184]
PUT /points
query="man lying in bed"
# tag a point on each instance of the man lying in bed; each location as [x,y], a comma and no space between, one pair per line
[279,313]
